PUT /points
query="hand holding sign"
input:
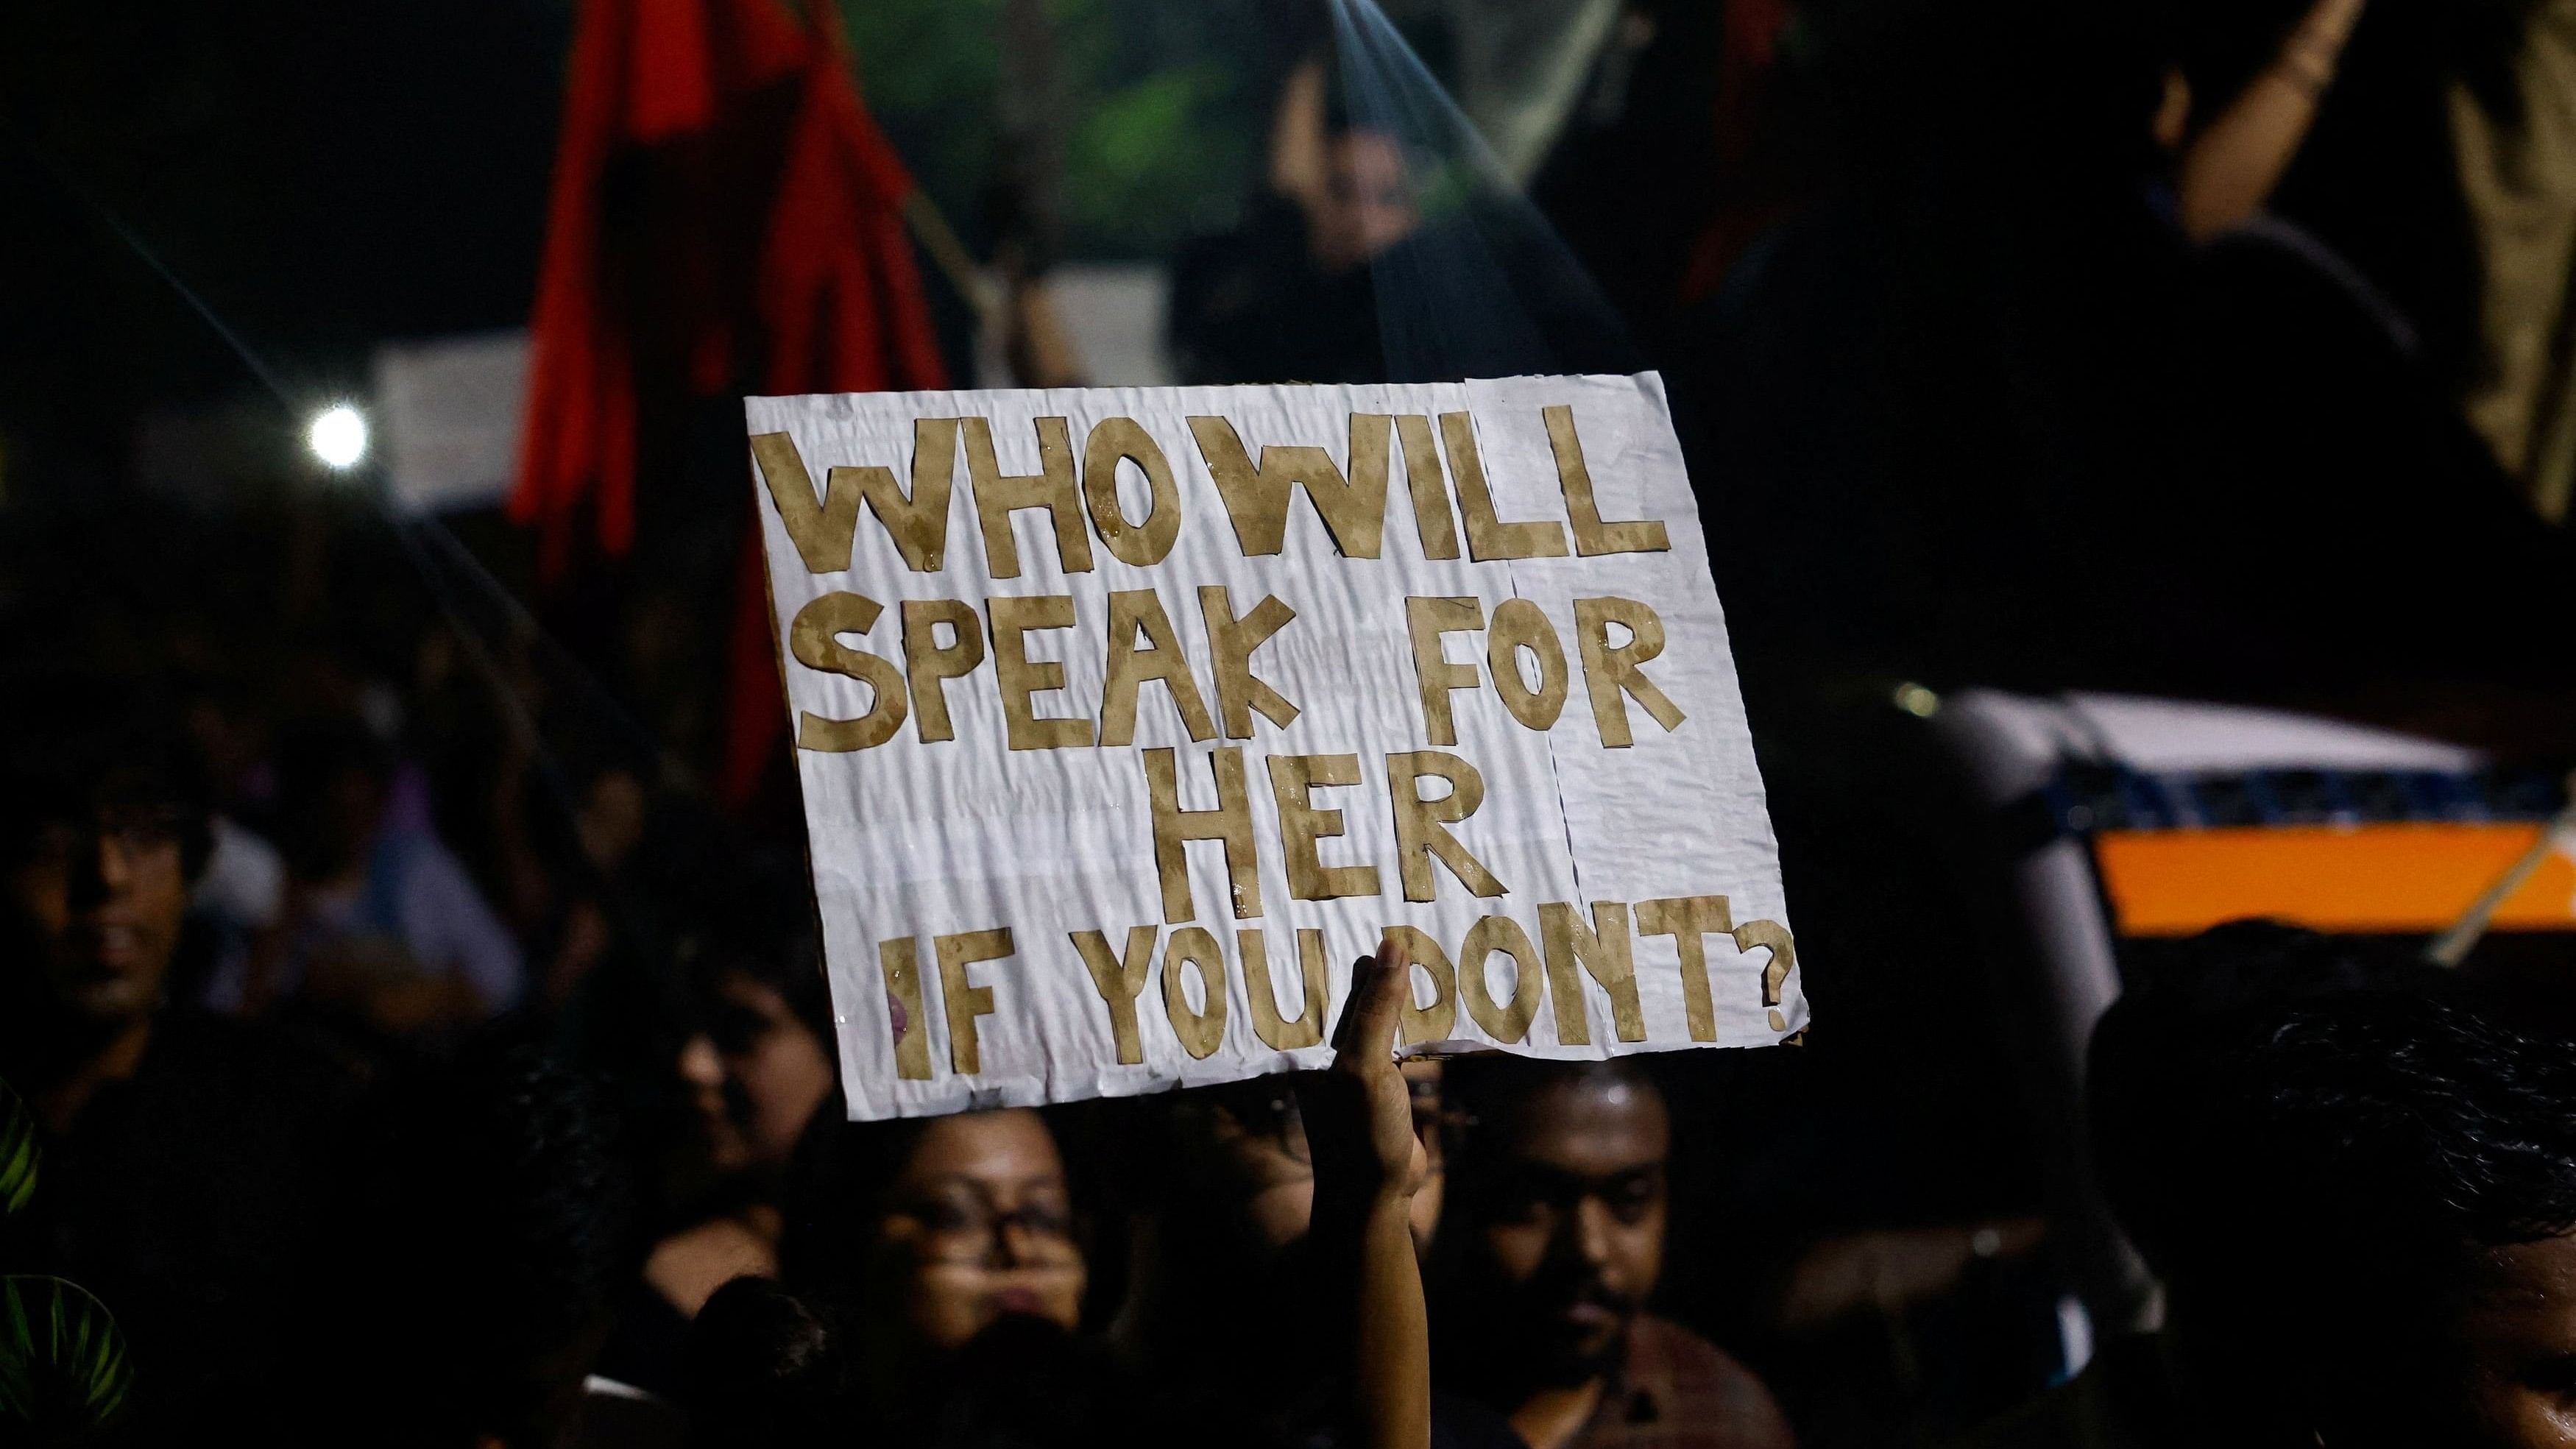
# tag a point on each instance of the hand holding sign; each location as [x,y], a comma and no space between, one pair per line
[1113,749]
[1359,1111]
[1359,1127]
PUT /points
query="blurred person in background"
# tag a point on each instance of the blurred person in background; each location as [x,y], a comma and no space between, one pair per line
[182,1150]
[2237,133]
[757,1068]
[574,894]
[240,898]
[2360,1195]
[2068,303]
[1549,1250]
[2432,149]
[1288,295]
[2322,363]
[383,924]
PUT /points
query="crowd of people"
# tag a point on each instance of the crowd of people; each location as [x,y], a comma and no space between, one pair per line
[403,1041]
[379,1211]
[366,1206]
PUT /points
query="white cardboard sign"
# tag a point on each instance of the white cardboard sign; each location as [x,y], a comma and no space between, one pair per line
[1128,718]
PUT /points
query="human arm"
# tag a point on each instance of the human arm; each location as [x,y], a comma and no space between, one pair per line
[2230,168]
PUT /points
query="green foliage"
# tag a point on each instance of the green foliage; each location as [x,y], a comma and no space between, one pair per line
[63,1369]
[1145,170]
[1159,122]
[929,71]
[18,1154]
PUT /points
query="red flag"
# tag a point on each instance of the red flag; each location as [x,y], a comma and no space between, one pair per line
[1749,201]
[681,117]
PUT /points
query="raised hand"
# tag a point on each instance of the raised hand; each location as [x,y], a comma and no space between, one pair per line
[1359,1129]
[1359,1111]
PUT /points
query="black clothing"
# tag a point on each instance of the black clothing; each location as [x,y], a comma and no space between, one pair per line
[1249,307]
[183,1198]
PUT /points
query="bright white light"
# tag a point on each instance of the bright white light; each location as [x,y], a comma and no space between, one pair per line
[338,437]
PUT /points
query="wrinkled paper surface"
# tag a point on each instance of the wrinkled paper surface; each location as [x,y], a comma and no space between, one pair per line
[920,840]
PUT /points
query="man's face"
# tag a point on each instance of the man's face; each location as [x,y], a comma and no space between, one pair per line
[2518,1333]
[105,899]
[1568,1219]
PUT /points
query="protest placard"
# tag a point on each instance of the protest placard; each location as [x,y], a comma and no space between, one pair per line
[1127,718]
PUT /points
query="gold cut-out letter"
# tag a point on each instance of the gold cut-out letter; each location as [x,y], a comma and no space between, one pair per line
[1592,537]
[824,529]
[1430,490]
[1052,488]
[1120,982]
[1302,823]
[1131,612]
[1112,441]
[926,663]
[1433,673]
[1506,1022]
[1231,640]
[964,999]
[1257,497]
[1604,950]
[814,639]
[1609,669]
[1230,822]
[1518,625]
[1689,920]
[1488,537]
[1421,826]
[1022,677]
[1306,1028]
[1439,1020]
[1202,1030]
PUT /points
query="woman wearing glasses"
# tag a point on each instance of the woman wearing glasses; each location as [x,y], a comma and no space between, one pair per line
[937,1279]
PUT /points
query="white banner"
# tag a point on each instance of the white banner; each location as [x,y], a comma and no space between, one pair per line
[1127,718]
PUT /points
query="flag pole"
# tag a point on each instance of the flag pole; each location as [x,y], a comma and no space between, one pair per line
[2452,947]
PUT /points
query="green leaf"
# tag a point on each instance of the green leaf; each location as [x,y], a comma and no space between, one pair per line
[18,1152]
[63,1369]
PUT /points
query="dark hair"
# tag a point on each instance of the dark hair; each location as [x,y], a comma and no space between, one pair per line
[2402,1122]
[2155,1073]
[2325,1155]
[74,747]
[2159,1051]
[763,933]
[481,1240]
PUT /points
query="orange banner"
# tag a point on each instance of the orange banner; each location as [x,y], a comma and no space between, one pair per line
[2396,879]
